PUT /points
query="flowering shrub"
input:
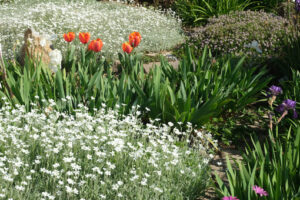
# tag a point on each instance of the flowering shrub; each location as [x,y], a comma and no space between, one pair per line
[54,18]
[51,155]
[256,34]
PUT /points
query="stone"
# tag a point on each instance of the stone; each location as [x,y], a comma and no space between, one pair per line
[36,47]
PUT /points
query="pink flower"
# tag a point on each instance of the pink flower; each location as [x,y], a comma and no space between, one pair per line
[230,198]
[259,190]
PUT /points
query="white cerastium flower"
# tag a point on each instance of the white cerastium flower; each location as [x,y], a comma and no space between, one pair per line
[55,60]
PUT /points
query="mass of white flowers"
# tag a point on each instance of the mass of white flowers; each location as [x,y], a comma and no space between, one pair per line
[112,22]
[51,155]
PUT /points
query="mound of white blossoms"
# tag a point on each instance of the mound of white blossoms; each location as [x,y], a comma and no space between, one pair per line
[51,155]
[109,21]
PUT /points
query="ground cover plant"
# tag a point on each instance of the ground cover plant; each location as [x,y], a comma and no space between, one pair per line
[45,154]
[53,18]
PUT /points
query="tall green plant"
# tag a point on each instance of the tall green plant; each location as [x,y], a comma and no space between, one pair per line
[195,12]
[198,90]
[267,5]
[289,55]
[273,165]
[220,7]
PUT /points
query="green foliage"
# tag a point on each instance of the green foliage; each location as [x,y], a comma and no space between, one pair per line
[291,87]
[220,7]
[267,5]
[185,10]
[288,58]
[200,88]
[6,1]
[232,126]
[196,12]
[273,165]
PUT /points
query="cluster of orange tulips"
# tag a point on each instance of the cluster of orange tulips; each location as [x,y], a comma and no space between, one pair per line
[96,45]
[134,41]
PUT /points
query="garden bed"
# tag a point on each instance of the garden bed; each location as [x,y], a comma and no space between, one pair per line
[105,113]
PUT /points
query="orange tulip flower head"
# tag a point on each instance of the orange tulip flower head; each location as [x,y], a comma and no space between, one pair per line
[91,45]
[84,37]
[135,39]
[95,45]
[69,37]
[127,47]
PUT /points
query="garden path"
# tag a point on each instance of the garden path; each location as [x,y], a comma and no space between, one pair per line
[218,166]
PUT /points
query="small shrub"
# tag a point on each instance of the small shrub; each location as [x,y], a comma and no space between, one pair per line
[256,34]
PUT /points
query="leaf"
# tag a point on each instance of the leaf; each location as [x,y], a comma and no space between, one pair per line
[59,84]
[138,89]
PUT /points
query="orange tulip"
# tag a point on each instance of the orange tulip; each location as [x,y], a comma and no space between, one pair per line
[127,47]
[91,45]
[135,39]
[95,45]
[84,37]
[69,37]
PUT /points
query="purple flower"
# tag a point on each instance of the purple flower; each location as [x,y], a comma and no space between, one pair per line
[272,93]
[275,90]
[259,190]
[288,105]
[297,5]
[230,198]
